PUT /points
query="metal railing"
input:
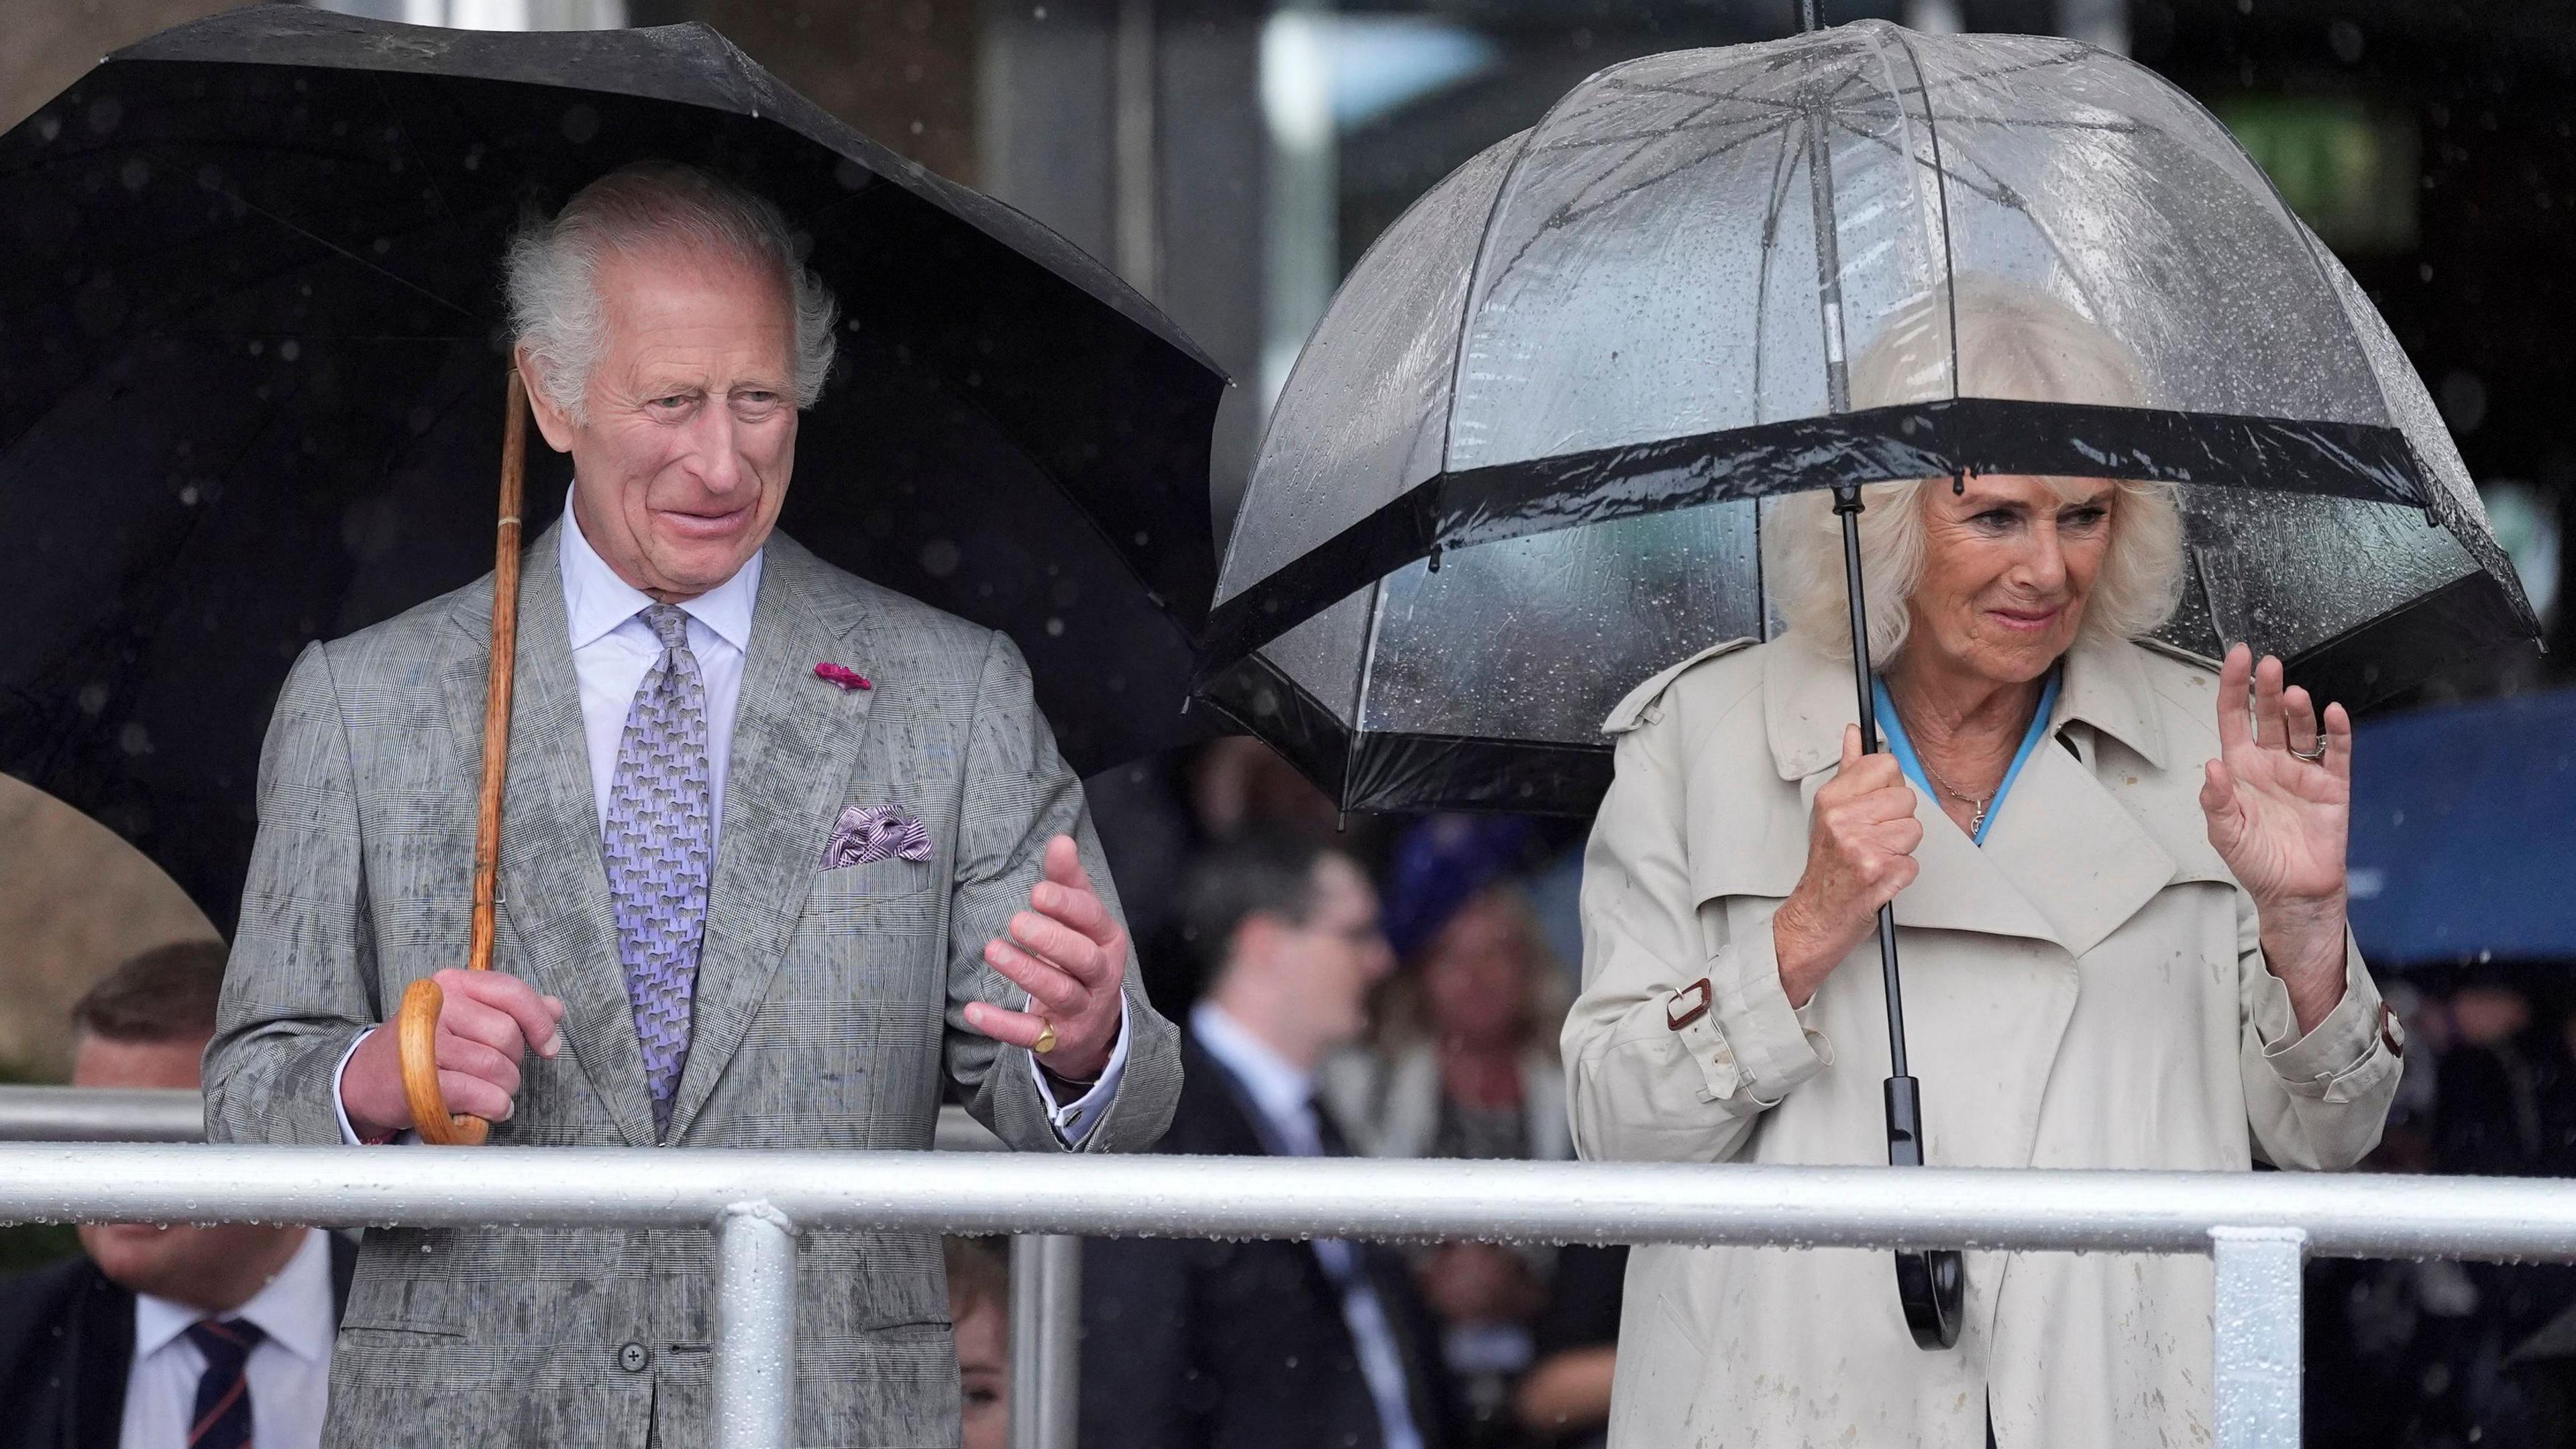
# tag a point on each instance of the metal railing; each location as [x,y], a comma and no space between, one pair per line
[2258,1227]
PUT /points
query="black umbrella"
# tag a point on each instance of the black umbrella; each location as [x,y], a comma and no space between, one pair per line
[251,388]
[1523,463]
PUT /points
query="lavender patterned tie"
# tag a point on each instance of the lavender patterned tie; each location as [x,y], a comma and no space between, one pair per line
[658,846]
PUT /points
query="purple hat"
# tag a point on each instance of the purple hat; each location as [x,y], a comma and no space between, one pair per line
[1444,862]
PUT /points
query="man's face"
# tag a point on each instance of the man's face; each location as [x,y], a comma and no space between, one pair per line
[682,459]
[1339,953]
[167,1262]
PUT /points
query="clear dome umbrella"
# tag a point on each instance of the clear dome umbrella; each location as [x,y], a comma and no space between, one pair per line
[1519,467]
[1528,456]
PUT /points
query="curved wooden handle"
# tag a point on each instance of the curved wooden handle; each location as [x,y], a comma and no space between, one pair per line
[416,1025]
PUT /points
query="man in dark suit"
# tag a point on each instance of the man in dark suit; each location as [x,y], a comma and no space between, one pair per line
[1247,1345]
[169,1337]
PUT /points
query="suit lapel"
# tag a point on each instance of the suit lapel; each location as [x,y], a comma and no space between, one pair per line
[795,741]
[554,888]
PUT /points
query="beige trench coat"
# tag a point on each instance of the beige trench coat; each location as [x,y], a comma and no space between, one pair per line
[2083,990]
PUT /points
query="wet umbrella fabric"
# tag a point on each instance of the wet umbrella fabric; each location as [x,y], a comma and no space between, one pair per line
[1522,464]
[251,375]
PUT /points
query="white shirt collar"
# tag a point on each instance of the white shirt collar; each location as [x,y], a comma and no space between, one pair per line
[596,600]
[1283,1091]
[294,1310]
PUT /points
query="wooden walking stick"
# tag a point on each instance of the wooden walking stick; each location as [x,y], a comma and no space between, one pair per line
[417,1022]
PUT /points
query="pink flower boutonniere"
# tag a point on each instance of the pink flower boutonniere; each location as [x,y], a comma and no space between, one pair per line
[842,675]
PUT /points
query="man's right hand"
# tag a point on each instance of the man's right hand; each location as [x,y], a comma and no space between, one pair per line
[487,1023]
[1860,853]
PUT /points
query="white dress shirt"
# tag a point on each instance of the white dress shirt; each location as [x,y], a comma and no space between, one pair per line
[289,1371]
[613,649]
[1284,1093]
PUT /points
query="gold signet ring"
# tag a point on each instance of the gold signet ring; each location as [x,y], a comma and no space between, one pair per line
[1046,1040]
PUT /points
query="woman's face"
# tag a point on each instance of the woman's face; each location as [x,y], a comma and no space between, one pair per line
[1475,976]
[2009,563]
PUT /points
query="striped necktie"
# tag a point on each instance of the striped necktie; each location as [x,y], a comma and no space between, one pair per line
[222,1417]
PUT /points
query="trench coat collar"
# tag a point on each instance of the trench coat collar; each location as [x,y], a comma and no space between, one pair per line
[2065,862]
[1808,699]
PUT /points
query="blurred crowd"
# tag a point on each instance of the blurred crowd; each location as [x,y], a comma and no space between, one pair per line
[2433,1354]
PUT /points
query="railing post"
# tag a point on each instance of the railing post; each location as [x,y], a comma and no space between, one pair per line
[2257,1339]
[1046,1340]
[755,1350]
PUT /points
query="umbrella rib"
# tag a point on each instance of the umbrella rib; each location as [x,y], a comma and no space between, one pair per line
[1770,250]
[402,137]
[1941,198]
[1571,212]
[329,245]
[1995,190]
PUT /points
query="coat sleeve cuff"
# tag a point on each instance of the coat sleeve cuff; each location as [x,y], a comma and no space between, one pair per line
[2329,1061]
[1751,1044]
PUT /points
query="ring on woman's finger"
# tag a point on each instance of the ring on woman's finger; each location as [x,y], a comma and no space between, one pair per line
[2315,756]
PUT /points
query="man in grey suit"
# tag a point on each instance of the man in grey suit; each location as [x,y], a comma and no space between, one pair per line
[779,847]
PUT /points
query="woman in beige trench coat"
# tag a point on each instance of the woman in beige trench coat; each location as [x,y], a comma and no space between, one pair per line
[2144,963]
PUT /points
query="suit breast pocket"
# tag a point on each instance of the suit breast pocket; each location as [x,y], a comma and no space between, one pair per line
[867,927]
[877,882]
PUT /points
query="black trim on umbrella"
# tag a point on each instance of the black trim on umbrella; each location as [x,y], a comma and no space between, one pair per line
[2382,661]
[1404,773]
[1392,773]
[1260,699]
[1918,440]
[2374,665]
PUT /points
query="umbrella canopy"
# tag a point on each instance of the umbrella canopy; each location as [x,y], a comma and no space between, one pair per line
[2463,821]
[1522,463]
[252,366]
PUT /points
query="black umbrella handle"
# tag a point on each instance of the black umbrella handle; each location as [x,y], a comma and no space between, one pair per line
[1931,1284]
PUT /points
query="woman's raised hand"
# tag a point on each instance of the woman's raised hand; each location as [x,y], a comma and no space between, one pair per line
[2281,822]
[1860,853]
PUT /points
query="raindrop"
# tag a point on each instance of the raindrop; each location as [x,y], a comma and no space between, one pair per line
[2345,39]
[384,244]
[135,173]
[134,739]
[93,697]
[257,347]
[1055,627]
[104,114]
[48,127]
[851,175]
[291,349]
[580,123]
[939,558]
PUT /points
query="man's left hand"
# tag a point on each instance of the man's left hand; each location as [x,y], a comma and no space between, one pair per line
[1070,955]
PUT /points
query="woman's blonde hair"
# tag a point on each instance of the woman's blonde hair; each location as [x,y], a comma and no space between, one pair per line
[2014,342]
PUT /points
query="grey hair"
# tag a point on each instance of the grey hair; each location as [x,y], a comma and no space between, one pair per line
[555,309]
[2014,342]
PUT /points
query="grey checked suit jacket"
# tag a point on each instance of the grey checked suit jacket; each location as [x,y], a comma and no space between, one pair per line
[828,1002]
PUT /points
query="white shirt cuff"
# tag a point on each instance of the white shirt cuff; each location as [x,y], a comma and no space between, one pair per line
[340,1107]
[1073,1121]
